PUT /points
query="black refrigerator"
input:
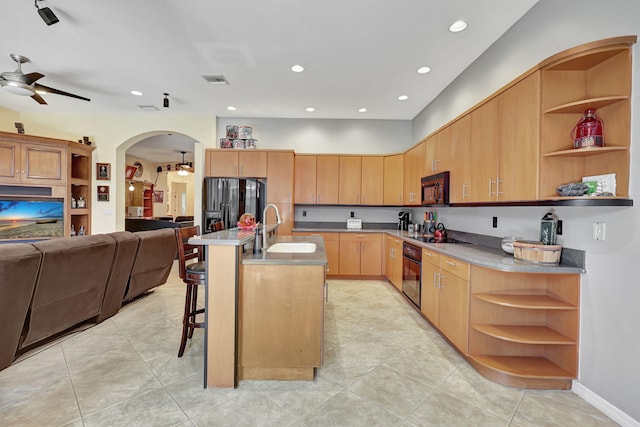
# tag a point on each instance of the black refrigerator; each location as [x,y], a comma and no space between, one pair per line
[226,199]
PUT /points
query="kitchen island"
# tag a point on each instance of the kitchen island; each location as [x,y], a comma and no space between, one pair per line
[264,311]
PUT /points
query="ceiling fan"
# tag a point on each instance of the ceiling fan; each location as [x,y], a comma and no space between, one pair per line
[22,84]
[184,167]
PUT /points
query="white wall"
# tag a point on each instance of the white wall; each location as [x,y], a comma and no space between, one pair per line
[610,318]
[326,136]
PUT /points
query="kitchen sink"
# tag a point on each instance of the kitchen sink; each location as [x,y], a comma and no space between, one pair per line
[293,247]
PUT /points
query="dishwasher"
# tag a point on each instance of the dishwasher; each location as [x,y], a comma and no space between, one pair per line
[411,266]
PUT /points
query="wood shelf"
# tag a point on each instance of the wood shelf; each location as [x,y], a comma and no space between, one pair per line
[578,107]
[576,60]
[585,152]
[532,302]
[79,211]
[524,334]
[524,367]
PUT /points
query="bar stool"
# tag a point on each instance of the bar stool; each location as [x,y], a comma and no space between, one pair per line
[194,275]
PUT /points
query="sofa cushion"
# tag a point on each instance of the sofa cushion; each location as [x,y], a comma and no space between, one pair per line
[19,264]
[154,258]
[71,284]
[125,254]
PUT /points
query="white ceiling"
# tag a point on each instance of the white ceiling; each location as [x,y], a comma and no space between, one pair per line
[356,53]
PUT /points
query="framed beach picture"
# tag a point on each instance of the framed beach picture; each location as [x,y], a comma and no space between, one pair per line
[103,193]
[103,171]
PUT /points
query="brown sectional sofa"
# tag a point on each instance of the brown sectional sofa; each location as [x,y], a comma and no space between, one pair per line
[50,286]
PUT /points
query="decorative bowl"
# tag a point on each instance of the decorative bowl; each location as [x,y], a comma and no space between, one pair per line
[507,243]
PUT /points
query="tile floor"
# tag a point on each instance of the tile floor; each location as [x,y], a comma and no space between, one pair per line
[383,366]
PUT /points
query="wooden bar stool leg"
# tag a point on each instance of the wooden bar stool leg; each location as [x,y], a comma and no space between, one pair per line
[194,305]
[185,320]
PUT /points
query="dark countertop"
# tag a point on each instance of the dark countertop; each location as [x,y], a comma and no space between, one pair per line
[476,254]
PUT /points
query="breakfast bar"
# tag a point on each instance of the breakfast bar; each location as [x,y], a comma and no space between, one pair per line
[257,303]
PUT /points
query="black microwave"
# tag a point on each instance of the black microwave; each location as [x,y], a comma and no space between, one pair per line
[435,189]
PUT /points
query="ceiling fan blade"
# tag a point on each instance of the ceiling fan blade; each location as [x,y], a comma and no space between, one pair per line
[32,77]
[58,92]
[39,99]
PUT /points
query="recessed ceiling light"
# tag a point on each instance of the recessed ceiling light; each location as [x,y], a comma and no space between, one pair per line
[403,97]
[458,26]
[310,109]
[297,68]
[136,93]
[231,108]
[423,70]
[362,110]
[149,107]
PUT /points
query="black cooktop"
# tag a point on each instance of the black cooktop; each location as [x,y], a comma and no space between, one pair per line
[431,239]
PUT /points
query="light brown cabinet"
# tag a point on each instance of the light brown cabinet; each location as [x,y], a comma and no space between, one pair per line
[350,180]
[460,176]
[437,152]
[393,260]
[525,327]
[444,298]
[280,171]
[414,170]
[393,180]
[327,179]
[360,254]
[331,247]
[372,181]
[236,163]
[305,179]
[31,163]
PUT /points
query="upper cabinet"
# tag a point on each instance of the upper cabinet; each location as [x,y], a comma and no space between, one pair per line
[372,180]
[305,179]
[393,180]
[327,179]
[459,144]
[236,163]
[350,180]
[32,163]
[593,76]
[437,152]
[414,170]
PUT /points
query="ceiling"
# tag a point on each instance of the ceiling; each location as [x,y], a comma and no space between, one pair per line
[356,53]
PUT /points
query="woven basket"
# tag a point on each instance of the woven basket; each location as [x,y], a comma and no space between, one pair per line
[536,252]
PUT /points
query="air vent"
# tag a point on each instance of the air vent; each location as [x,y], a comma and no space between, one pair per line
[216,80]
[149,107]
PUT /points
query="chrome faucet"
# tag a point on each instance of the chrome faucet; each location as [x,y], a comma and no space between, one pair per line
[264,227]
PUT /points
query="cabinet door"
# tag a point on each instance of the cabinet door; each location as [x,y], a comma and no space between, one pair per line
[459,185]
[371,255]
[349,256]
[43,164]
[441,153]
[430,293]
[9,162]
[415,168]
[286,215]
[332,248]
[223,163]
[305,179]
[519,119]
[280,176]
[372,180]
[350,180]
[393,180]
[327,175]
[454,310]
[396,261]
[252,164]
[387,250]
[484,151]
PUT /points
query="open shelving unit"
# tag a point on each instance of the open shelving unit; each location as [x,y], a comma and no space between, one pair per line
[79,185]
[524,327]
[592,76]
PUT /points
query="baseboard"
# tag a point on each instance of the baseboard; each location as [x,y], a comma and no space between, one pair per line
[603,406]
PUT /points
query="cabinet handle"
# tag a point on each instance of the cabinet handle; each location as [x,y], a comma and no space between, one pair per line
[326,290]
[440,276]
[427,254]
[451,263]
[434,279]
[498,181]
[465,195]
[313,198]
[490,187]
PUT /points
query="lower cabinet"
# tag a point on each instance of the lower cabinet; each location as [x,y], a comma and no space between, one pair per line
[331,247]
[360,254]
[524,327]
[393,261]
[444,298]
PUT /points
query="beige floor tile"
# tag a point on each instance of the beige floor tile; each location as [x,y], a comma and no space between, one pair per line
[397,393]
[559,408]
[194,399]
[421,365]
[169,368]
[440,409]
[245,408]
[155,408]
[348,409]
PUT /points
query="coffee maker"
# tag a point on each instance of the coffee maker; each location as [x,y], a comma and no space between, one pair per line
[404,219]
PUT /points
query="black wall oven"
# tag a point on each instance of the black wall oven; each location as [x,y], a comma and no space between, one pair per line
[411,266]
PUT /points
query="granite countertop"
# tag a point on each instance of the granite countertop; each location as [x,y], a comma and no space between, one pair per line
[230,237]
[473,253]
[319,257]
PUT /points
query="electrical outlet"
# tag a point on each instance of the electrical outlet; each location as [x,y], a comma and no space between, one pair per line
[599,229]
[559,228]
[304,213]
[495,222]
[353,214]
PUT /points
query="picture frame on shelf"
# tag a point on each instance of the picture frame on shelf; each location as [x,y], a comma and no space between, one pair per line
[103,193]
[103,171]
[130,172]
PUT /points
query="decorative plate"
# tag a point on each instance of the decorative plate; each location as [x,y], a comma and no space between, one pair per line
[139,169]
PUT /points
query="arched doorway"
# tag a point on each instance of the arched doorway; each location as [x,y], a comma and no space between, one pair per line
[155,156]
